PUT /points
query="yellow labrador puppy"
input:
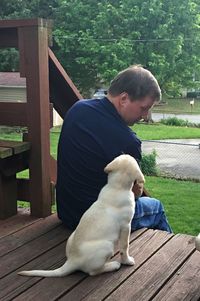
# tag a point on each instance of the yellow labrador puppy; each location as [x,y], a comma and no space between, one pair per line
[107,221]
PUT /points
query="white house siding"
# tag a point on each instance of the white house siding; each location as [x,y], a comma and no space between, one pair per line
[15,94]
[57,120]
[12,94]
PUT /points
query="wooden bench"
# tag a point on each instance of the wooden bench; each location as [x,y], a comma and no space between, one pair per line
[167,265]
[13,159]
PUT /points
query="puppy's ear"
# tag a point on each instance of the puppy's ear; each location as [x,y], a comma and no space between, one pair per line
[140,177]
[111,166]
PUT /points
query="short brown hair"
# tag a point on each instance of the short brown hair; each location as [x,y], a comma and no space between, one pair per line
[137,82]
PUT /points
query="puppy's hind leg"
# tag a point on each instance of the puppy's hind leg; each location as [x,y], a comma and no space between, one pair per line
[108,267]
[97,262]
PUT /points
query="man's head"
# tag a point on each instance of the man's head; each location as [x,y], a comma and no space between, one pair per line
[133,92]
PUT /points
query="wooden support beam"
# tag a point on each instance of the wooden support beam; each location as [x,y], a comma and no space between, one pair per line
[8,37]
[11,165]
[53,170]
[17,147]
[63,93]
[35,55]
[13,114]
[5,152]
[23,191]
[16,23]
[8,196]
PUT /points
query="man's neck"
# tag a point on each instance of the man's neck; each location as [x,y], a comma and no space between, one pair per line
[115,101]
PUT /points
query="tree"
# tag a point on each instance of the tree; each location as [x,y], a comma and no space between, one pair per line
[96,39]
[101,38]
[22,9]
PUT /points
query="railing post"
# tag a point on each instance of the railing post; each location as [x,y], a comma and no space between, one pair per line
[33,49]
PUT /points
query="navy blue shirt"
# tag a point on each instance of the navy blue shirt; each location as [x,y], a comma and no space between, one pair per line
[93,134]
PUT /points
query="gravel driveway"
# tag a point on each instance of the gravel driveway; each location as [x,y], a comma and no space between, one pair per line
[176,157]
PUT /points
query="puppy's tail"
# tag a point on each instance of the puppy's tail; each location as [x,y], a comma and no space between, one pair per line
[67,268]
[197,242]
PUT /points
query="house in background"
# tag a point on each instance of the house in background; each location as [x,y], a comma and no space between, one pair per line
[13,89]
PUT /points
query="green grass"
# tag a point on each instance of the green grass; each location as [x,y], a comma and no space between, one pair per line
[144,131]
[161,131]
[177,105]
[181,201]
[180,198]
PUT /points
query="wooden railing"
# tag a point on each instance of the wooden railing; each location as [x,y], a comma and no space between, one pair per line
[47,86]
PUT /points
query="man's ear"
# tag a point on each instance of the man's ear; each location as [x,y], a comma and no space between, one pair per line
[123,98]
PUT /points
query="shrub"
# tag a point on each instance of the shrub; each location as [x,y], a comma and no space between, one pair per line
[175,121]
[148,164]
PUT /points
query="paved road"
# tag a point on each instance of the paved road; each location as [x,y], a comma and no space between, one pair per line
[191,118]
[179,158]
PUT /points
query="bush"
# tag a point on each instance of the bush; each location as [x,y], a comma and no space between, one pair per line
[175,121]
[148,164]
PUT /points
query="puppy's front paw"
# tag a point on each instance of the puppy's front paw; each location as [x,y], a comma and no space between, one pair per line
[128,260]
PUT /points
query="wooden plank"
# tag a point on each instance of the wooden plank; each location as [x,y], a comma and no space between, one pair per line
[5,152]
[55,285]
[45,252]
[12,285]
[31,250]
[8,37]
[63,93]
[17,222]
[36,69]
[11,165]
[25,23]
[145,282]
[17,146]
[21,43]
[185,283]
[51,114]
[30,232]
[141,249]
[8,196]
[22,58]
[64,74]
[53,169]
[23,190]
[14,113]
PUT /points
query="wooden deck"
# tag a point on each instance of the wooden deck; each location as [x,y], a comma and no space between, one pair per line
[167,266]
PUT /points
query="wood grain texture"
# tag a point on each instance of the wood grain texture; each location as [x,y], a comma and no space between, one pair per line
[5,152]
[167,266]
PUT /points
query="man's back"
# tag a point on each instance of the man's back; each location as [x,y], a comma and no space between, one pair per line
[93,134]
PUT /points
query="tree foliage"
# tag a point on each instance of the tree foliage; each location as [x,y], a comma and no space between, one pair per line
[96,39]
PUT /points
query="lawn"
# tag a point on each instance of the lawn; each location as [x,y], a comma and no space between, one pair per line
[161,131]
[177,105]
[180,198]
[181,201]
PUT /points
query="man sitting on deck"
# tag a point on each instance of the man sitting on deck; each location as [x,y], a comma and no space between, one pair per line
[96,131]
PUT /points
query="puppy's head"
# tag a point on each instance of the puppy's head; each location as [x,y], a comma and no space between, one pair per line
[126,165]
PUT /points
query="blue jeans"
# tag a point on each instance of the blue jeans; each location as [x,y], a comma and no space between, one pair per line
[149,213]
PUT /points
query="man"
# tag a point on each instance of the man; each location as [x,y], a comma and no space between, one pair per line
[96,131]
